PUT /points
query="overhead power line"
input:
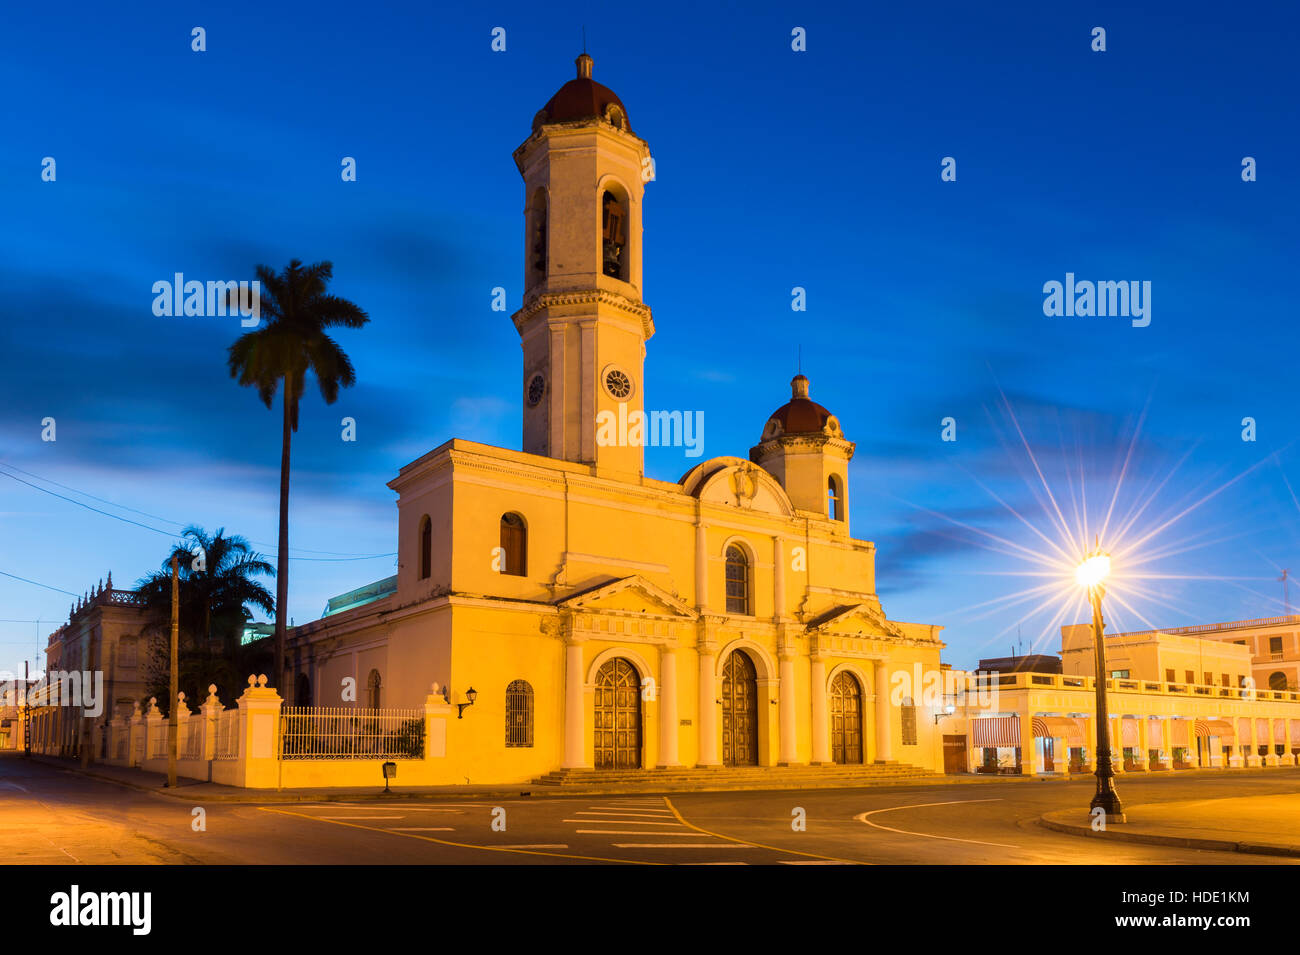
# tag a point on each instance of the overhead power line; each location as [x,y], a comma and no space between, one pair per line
[340,558]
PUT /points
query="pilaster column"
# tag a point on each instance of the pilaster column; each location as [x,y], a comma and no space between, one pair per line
[668,730]
[884,734]
[575,710]
[778,578]
[788,753]
[1142,754]
[1166,744]
[1117,744]
[1252,744]
[708,720]
[820,736]
[701,567]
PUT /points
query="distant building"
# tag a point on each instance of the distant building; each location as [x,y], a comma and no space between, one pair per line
[104,632]
[1272,646]
[1179,699]
[1030,662]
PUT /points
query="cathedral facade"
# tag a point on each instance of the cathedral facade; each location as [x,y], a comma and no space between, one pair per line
[592,617]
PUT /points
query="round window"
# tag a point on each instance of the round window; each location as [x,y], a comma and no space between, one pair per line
[617,383]
[536,388]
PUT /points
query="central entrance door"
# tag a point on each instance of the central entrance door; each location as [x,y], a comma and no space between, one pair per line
[739,711]
[846,718]
[618,716]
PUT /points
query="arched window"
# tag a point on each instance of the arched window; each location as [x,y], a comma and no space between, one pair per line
[834,498]
[426,547]
[519,714]
[372,690]
[613,219]
[907,717]
[537,238]
[514,545]
[302,690]
[737,581]
[1277,681]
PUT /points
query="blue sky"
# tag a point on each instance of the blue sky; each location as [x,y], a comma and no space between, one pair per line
[775,169]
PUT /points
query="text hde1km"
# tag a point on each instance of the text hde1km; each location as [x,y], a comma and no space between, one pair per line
[75,907]
[1199,897]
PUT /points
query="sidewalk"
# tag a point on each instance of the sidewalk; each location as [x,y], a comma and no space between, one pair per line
[193,789]
[1263,825]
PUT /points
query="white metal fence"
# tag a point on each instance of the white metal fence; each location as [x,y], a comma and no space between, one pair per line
[227,742]
[192,742]
[340,732]
[158,742]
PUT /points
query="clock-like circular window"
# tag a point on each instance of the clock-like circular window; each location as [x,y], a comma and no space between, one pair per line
[617,383]
[536,388]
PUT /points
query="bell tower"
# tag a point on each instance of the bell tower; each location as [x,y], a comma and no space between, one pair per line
[583,325]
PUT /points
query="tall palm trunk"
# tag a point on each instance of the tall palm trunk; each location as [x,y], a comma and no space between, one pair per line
[282,557]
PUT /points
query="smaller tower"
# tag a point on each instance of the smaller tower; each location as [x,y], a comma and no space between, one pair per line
[805,450]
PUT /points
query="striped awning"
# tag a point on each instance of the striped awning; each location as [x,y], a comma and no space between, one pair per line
[1059,727]
[1129,732]
[989,731]
[1220,728]
[1261,730]
[1295,731]
[1279,731]
[1243,729]
[1178,733]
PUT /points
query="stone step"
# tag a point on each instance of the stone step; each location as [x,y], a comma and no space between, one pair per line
[737,777]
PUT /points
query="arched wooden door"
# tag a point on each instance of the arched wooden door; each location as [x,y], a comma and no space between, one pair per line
[739,711]
[846,718]
[618,716]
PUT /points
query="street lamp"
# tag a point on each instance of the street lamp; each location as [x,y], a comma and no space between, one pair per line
[1091,574]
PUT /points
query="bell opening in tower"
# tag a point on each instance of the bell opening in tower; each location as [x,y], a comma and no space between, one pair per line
[537,239]
[614,235]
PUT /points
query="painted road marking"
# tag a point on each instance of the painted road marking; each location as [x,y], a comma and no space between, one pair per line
[755,845]
[362,817]
[862,817]
[674,845]
[623,812]
[625,822]
[629,832]
[808,862]
[420,828]
[558,845]
[460,845]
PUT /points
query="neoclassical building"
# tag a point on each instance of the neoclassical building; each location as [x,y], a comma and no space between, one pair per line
[605,619]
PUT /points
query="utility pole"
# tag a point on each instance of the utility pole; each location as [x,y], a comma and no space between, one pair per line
[175,677]
[87,731]
[27,712]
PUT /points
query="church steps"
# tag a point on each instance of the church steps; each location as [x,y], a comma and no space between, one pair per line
[764,777]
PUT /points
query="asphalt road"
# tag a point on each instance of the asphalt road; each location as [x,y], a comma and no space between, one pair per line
[52,815]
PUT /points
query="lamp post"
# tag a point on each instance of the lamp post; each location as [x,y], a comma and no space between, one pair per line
[1091,573]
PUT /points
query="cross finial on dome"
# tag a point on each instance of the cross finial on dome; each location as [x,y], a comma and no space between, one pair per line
[799,387]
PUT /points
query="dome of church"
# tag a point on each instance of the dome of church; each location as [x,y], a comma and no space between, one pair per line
[799,415]
[583,98]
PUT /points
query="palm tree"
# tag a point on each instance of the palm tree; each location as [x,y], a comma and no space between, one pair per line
[215,588]
[292,341]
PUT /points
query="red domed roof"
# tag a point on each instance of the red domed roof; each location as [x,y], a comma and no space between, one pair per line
[579,99]
[800,415]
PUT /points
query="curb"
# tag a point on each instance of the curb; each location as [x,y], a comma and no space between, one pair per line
[1182,842]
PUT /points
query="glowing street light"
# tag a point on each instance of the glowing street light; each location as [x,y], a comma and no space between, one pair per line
[1091,574]
[1093,570]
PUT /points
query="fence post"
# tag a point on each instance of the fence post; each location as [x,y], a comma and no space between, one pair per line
[436,712]
[135,736]
[259,727]
[155,726]
[183,715]
[210,712]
